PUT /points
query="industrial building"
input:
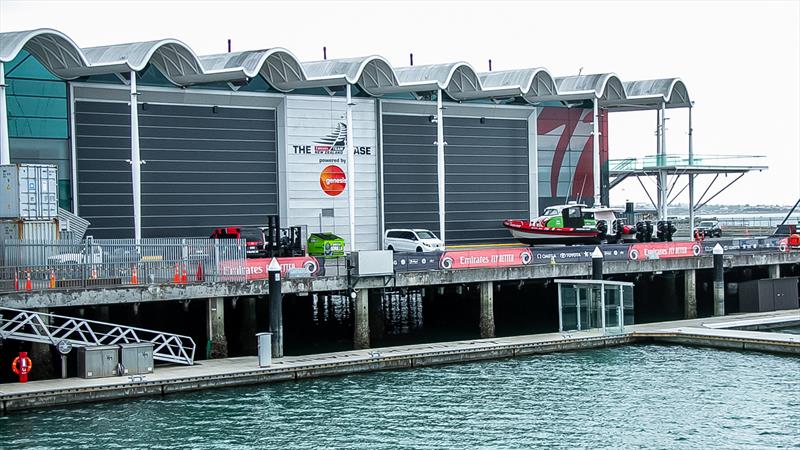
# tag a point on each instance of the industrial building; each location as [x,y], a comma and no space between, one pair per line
[354,146]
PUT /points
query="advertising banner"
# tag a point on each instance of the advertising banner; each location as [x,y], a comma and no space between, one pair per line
[664,250]
[256,268]
[410,262]
[474,259]
[578,253]
[767,244]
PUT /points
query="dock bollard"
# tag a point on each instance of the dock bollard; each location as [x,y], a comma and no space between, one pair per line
[719,282]
[597,264]
[275,308]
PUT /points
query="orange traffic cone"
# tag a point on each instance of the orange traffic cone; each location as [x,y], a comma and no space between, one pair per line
[176,278]
[28,284]
[52,279]
[199,276]
[16,280]
[183,274]
[134,275]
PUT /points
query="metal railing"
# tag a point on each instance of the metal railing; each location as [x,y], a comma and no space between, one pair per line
[35,265]
[53,329]
[655,161]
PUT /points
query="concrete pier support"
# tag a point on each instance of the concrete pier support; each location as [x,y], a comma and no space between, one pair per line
[41,355]
[217,345]
[377,327]
[774,271]
[719,281]
[487,309]
[690,294]
[361,319]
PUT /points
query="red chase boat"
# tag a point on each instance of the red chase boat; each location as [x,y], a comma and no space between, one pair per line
[571,224]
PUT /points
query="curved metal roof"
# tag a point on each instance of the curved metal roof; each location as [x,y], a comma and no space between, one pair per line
[373,74]
[602,86]
[279,67]
[173,58]
[459,79]
[529,84]
[649,94]
[52,48]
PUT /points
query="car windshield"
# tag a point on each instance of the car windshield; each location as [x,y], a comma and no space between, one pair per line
[706,224]
[423,234]
[551,212]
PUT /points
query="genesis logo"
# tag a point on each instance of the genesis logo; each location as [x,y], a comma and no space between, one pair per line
[333,143]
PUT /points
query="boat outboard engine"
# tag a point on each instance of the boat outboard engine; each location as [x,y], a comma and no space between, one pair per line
[602,228]
[661,232]
[670,230]
[644,231]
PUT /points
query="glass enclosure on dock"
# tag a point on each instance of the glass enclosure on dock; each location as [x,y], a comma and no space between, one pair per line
[594,304]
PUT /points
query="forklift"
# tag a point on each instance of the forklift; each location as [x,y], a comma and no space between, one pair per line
[282,242]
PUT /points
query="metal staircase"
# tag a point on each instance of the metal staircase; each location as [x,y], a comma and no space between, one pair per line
[53,329]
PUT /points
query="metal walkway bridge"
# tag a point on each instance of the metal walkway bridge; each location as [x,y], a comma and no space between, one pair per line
[53,329]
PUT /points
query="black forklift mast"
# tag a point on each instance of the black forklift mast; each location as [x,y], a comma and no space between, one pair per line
[282,242]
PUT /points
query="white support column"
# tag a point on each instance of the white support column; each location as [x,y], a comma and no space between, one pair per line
[596,152]
[136,163]
[658,162]
[533,164]
[691,179]
[5,153]
[351,170]
[440,160]
[664,183]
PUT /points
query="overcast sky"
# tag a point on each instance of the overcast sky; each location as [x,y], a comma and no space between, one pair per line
[740,60]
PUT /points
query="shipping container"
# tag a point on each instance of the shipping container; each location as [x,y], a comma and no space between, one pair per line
[30,230]
[28,191]
[33,231]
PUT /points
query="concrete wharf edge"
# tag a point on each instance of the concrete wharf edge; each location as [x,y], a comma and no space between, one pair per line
[221,373]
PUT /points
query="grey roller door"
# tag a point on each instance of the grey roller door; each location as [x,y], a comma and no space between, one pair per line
[410,192]
[486,174]
[205,167]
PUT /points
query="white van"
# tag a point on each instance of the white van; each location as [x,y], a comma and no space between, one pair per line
[399,240]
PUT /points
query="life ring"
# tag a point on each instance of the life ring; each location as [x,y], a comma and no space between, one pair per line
[19,372]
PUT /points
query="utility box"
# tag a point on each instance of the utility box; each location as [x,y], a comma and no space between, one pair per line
[372,263]
[29,192]
[98,362]
[136,358]
[768,295]
[264,349]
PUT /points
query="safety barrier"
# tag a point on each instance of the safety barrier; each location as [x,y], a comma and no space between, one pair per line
[37,265]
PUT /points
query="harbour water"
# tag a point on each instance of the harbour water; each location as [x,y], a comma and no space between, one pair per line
[647,396]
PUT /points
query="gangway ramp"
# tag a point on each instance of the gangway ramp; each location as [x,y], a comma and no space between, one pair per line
[33,326]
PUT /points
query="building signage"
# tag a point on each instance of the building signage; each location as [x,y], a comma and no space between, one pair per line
[315,165]
[332,180]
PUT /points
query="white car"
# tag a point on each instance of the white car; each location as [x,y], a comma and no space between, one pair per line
[412,241]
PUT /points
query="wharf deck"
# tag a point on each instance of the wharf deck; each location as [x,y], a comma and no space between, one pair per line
[245,371]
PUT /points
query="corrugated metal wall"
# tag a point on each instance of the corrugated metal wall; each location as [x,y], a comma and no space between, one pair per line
[205,167]
[410,192]
[486,173]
